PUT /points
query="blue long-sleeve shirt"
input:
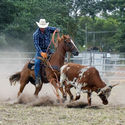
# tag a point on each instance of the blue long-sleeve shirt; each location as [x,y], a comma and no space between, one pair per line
[42,40]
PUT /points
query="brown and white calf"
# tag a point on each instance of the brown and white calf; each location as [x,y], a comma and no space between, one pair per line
[85,79]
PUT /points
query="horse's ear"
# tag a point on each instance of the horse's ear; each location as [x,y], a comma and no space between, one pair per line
[65,36]
[62,37]
[59,39]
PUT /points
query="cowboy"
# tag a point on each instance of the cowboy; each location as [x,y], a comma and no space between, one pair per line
[41,39]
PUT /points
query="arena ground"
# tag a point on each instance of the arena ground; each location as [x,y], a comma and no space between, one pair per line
[46,111]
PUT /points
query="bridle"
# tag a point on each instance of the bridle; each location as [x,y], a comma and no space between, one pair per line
[68,44]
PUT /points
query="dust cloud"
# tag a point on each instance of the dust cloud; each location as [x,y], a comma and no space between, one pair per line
[8,93]
[10,65]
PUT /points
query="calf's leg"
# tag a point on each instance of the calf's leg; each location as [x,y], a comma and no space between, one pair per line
[67,89]
[89,98]
[78,91]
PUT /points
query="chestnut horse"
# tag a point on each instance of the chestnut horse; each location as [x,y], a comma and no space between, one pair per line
[48,74]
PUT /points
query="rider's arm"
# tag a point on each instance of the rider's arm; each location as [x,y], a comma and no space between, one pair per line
[36,42]
[52,29]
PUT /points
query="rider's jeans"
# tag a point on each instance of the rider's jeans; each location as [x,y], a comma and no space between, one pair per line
[38,62]
[37,65]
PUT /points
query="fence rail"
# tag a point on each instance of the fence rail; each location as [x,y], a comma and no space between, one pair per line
[109,65]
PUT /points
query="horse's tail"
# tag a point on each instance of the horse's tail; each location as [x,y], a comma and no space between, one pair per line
[14,78]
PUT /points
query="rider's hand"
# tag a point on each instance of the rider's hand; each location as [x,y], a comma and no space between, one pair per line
[44,55]
[57,30]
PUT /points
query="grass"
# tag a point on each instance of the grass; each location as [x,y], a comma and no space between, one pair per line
[20,114]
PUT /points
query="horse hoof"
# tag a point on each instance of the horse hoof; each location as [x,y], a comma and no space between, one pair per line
[77,97]
[36,96]
[63,100]
[71,99]
[58,100]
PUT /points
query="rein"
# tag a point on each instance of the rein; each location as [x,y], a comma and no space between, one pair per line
[53,72]
[52,40]
[47,63]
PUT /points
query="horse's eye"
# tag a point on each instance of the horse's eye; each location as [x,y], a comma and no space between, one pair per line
[69,43]
[65,41]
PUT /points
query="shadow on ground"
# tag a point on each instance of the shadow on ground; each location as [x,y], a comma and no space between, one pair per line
[49,101]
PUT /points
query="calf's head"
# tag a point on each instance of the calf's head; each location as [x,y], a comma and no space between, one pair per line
[105,92]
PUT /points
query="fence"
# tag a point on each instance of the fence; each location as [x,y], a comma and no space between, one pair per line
[111,66]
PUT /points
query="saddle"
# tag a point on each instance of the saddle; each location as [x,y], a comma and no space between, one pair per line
[31,65]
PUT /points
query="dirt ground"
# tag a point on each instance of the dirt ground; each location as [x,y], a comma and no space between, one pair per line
[44,110]
[20,114]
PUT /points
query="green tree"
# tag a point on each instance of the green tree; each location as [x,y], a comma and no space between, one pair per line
[117,10]
[73,17]
[7,10]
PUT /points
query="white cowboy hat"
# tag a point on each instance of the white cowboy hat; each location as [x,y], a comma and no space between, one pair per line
[42,23]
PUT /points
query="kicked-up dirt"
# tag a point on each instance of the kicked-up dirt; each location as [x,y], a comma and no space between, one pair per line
[29,110]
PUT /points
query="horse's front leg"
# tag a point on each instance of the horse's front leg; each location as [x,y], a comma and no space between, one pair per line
[63,94]
[54,83]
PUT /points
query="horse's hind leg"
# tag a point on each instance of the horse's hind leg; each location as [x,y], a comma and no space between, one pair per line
[22,85]
[38,89]
[23,81]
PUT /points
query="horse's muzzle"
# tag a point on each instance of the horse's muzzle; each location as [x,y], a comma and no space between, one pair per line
[75,53]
